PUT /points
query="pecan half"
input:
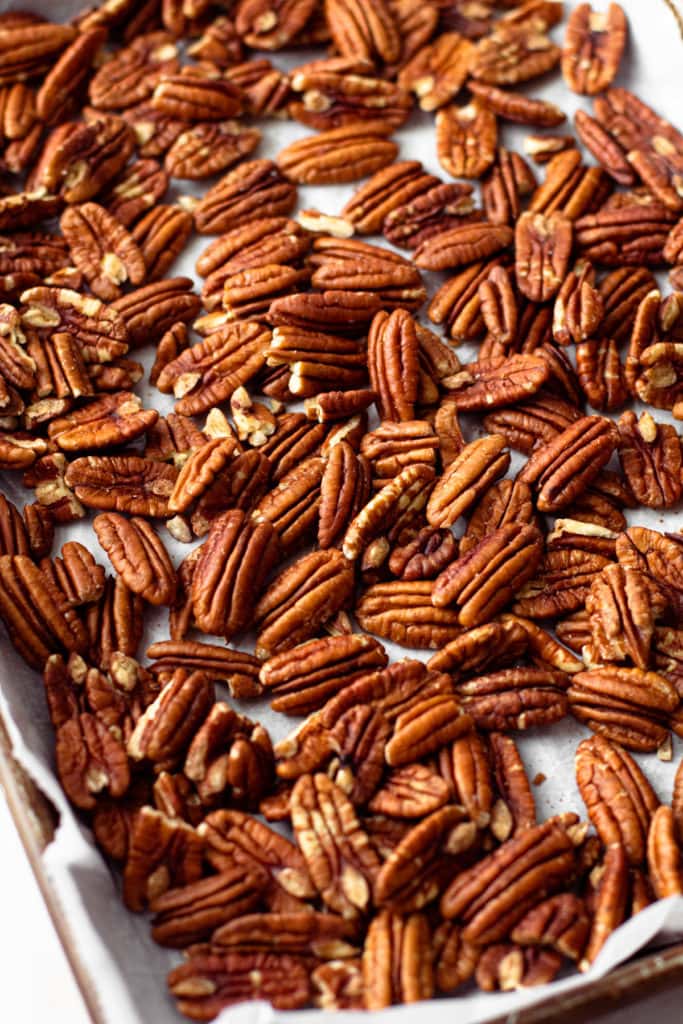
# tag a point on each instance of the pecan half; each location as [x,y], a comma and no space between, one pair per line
[397,966]
[338,155]
[138,555]
[593,45]
[664,854]
[412,791]
[486,578]
[466,139]
[621,615]
[362,32]
[207,983]
[472,471]
[564,467]
[163,853]
[619,799]
[403,611]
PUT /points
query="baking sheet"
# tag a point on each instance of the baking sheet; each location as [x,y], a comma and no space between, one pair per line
[127,970]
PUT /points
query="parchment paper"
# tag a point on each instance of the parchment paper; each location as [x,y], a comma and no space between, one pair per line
[127,969]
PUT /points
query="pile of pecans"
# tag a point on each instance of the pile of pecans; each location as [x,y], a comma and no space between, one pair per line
[414,860]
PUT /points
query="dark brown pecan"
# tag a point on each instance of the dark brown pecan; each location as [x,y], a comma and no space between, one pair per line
[208,982]
[342,312]
[481,582]
[593,46]
[570,187]
[161,235]
[167,727]
[627,705]
[230,759]
[466,139]
[338,985]
[393,364]
[499,306]
[650,456]
[338,155]
[604,148]
[560,922]
[619,799]
[423,558]
[115,624]
[579,307]
[515,809]
[425,728]
[493,895]
[527,426]
[253,187]
[397,964]
[504,502]
[30,48]
[415,871]
[138,555]
[654,554]
[350,265]
[565,466]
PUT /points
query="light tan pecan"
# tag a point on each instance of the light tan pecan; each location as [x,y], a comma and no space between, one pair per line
[411,791]
[360,32]
[466,139]
[301,599]
[414,873]
[230,572]
[397,964]
[403,611]
[208,982]
[593,46]
[619,799]
[481,582]
[493,895]
[438,70]
[473,470]
[565,466]
[138,555]
[513,54]
[542,148]
[189,914]
[303,679]
[338,155]
[342,863]
[254,187]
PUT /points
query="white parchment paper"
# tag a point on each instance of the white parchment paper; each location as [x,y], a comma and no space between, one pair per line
[126,968]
